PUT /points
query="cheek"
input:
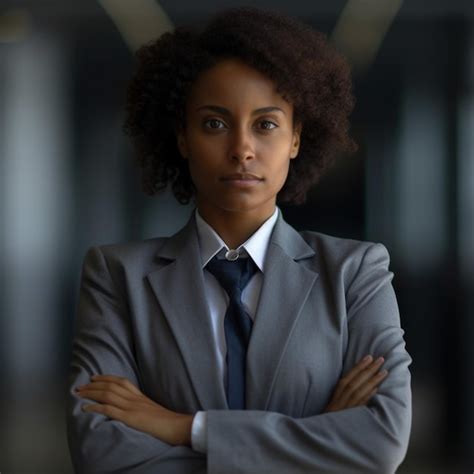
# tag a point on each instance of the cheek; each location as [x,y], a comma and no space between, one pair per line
[276,159]
[277,150]
[284,172]
[205,152]
[280,173]
[202,169]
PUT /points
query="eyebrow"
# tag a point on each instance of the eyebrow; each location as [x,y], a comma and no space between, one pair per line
[224,111]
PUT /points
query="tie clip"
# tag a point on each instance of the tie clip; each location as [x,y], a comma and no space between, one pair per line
[232,255]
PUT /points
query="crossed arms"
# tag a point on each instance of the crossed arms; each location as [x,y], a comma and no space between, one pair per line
[125,431]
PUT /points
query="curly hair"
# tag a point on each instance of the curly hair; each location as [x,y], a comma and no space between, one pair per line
[308,72]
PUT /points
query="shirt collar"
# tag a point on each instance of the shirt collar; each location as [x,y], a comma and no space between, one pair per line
[210,243]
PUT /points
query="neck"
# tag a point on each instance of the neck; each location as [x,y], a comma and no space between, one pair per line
[234,228]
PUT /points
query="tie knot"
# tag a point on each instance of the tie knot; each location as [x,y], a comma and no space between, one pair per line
[232,275]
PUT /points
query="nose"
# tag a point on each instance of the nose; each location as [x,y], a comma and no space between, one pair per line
[241,147]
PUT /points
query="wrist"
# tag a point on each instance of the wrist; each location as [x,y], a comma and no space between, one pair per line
[185,423]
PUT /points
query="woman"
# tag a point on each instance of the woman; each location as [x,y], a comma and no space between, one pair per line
[238,345]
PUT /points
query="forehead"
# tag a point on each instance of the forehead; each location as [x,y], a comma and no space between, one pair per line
[234,84]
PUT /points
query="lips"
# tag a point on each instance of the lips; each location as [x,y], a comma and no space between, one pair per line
[241,177]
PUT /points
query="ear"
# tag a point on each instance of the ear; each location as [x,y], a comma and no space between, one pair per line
[295,146]
[182,144]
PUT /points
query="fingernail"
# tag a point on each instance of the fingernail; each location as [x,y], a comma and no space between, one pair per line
[367,358]
[384,372]
[380,360]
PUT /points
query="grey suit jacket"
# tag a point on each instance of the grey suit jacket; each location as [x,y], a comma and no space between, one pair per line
[325,303]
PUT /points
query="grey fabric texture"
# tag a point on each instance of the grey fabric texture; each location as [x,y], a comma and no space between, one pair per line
[325,303]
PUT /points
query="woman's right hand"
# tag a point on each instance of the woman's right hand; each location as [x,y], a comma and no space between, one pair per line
[358,386]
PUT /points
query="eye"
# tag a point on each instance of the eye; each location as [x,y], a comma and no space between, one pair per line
[267,125]
[214,124]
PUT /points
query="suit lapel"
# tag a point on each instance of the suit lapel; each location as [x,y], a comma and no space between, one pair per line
[286,286]
[179,289]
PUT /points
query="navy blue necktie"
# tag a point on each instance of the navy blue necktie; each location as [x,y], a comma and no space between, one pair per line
[233,277]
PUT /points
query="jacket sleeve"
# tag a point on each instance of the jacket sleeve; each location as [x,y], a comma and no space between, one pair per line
[103,344]
[372,438]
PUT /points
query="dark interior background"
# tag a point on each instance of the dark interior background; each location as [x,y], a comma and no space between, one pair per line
[67,182]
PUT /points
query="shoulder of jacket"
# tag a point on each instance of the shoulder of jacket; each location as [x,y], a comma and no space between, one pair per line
[338,250]
[335,245]
[130,252]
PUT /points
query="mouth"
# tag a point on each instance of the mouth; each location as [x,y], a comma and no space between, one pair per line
[242,180]
[242,177]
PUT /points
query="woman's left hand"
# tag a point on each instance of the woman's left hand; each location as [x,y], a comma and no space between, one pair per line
[121,400]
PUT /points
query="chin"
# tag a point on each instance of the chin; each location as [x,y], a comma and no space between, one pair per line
[244,205]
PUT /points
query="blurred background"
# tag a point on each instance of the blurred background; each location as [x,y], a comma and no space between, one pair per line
[67,182]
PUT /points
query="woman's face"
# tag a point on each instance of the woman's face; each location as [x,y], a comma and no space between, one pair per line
[238,140]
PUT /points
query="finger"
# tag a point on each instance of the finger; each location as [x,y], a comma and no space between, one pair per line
[366,399]
[358,381]
[107,410]
[366,374]
[361,372]
[123,381]
[359,367]
[109,396]
[360,386]
[347,378]
[96,389]
[106,398]
[360,395]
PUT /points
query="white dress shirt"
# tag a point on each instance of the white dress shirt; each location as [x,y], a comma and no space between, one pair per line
[211,244]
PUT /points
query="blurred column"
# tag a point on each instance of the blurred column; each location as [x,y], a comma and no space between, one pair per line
[36,210]
[422,238]
[466,249]
[3,352]
[407,209]
[421,180]
[381,156]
